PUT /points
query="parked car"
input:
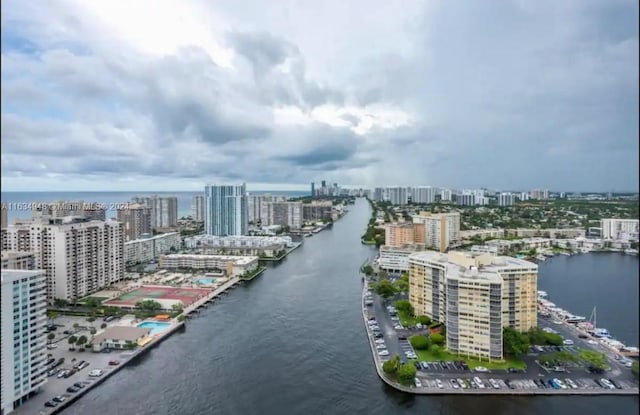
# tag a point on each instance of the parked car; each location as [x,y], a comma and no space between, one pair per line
[72,389]
[96,373]
[51,404]
[417,382]
[59,399]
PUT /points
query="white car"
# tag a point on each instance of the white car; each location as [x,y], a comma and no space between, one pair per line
[383,352]
[374,327]
[592,342]
[607,384]
[52,346]
[567,342]
[380,341]
[481,369]
[380,346]
[96,373]
[494,384]
[439,384]
[417,382]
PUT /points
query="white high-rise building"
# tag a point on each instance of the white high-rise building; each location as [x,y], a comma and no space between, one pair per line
[446,195]
[197,208]
[378,194]
[398,195]
[506,199]
[23,336]
[226,210]
[620,229]
[441,231]
[424,195]
[524,196]
[79,256]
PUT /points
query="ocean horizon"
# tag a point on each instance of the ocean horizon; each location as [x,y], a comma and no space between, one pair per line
[18,202]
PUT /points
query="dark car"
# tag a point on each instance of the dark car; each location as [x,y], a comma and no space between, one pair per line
[417,365]
[593,369]
[515,370]
[78,385]
[67,332]
[402,337]
[616,384]
[72,389]
[50,404]
[583,336]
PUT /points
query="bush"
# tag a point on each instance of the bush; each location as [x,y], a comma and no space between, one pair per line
[420,342]
[437,338]
[424,320]
[553,339]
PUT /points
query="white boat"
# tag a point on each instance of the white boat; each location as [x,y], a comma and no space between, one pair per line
[542,294]
[575,319]
[631,251]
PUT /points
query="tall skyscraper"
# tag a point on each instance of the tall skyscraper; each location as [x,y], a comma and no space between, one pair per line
[226,210]
[313,189]
[23,336]
[197,208]
[137,221]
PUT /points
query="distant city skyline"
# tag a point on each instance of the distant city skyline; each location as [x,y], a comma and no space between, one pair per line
[512,95]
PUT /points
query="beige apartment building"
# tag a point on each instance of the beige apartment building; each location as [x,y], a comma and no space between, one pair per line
[400,234]
[441,230]
[79,256]
[476,296]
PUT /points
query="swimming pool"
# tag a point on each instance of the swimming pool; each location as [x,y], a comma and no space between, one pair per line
[206,281]
[156,327]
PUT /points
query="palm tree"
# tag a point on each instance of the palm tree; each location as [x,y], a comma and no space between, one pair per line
[72,340]
[52,315]
[82,341]
[50,337]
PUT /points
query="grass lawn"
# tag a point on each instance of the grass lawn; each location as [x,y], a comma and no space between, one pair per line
[425,355]
[84,300]
[406,319]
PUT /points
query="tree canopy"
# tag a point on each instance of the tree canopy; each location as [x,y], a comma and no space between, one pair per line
[420,342]
[384,288]
[514,342]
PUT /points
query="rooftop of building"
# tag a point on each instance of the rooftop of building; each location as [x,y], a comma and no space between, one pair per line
[123,333]
[403,248]
[16,254]
[236,259]
[10,275]
[474,265]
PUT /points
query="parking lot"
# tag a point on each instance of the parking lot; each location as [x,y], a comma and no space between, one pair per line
[57,384]
[456,375]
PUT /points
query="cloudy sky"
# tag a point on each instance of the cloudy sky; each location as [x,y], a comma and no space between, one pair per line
[169,95]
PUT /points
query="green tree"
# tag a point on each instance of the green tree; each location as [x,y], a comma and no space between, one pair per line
[406,373]
[420,342]
[404,306]
[177,308]
[514,342]
[384,288]
[553,339]
[368,270]
[82,340]
[50,337]
[149,305]
[382,274]
[424,320]
[436,350]
[52,315]
[402,284]
[72,341]
[437,339]
[103,325]
[391,366]
[595,359]
[90,320]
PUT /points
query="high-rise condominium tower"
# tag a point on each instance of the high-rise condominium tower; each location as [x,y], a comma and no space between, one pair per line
[226,210]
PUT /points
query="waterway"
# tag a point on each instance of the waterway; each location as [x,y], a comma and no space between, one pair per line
[606,280]
[293,342]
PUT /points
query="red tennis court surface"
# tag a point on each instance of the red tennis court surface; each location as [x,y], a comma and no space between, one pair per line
[188,296]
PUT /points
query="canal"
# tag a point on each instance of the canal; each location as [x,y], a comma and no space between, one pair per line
[293,342]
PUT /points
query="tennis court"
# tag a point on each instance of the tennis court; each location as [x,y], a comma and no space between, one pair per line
[186,295]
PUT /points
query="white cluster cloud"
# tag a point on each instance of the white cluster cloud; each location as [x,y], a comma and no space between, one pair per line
[170,94]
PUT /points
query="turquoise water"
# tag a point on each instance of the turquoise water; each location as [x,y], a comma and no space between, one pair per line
[155,326]
[206,281]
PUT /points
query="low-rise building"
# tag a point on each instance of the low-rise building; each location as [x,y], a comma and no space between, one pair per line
[267,246]
[119,338]
[395,259]
[232,265]
[147,249]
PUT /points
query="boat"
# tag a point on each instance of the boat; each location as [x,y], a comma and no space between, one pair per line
[575,319]
[542,294]
[631,251]
[308,235]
